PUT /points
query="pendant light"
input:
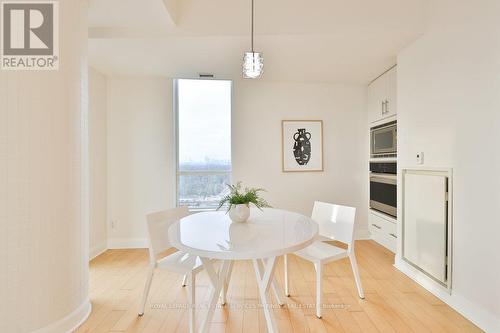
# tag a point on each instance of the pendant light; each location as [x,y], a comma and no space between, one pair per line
[253,63]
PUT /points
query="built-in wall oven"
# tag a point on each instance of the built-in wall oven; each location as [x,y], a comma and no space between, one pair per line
[383,140]
[383,187]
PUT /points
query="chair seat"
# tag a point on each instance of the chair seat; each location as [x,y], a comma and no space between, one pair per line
[179,262]
[321,251]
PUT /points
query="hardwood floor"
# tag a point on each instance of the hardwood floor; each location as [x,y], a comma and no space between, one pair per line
[393,302]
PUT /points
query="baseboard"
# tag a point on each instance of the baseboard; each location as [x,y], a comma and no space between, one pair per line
[97,250]
[363,234]
[485,320]
[70,322]
[127,243]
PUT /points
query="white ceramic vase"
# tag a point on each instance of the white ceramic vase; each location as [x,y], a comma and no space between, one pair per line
[239,213]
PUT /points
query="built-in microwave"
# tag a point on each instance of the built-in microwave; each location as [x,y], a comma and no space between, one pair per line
[383,140]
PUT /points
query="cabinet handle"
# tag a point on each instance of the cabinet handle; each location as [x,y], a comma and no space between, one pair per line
[386,108]
[393,235]
[383,105]
[376,226]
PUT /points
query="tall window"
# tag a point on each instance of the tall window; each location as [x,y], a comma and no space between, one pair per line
[203,114]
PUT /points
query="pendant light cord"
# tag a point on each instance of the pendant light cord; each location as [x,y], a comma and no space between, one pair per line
[252,26]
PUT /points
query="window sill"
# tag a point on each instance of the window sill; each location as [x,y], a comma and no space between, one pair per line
[199,210]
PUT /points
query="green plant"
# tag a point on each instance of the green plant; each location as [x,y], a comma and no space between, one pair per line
[239,196]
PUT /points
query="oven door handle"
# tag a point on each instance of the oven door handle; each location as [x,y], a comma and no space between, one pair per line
[384,179]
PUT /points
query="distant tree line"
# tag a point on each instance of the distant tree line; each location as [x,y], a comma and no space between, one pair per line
[204,190]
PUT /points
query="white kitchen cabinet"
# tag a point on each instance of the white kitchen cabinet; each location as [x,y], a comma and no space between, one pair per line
[391,93]
[383,230]
[382,96]
[375,100]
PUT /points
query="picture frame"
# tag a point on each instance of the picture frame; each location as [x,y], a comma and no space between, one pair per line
[302,145]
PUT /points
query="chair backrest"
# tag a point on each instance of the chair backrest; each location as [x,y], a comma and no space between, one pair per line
[336,222]
[158,224]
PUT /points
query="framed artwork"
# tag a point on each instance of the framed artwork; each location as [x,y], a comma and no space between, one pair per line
[302,145]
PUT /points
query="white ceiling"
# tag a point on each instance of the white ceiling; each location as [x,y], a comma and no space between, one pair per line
[313,40]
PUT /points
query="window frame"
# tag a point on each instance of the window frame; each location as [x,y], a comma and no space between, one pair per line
[179,173]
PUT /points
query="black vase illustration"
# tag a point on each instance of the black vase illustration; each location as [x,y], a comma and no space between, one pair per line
[302,146]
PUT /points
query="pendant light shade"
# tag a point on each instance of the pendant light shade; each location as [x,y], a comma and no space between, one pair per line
[253,63]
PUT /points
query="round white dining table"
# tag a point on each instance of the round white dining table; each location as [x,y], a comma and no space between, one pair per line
[267,234]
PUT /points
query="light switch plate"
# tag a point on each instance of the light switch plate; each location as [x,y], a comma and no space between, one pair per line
[420,157]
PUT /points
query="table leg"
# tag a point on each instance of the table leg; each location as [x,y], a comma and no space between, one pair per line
[217,280]
[274,285]
[226,283]
[264,281]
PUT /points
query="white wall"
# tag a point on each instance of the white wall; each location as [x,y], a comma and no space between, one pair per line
[259,108]
[449,108]
[141,167]
[140,155]
[44,186]
[98,162]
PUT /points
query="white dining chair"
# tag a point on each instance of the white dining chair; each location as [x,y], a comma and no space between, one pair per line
[335,222]
[177,262]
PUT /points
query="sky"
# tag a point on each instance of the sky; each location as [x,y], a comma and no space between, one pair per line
[204,120]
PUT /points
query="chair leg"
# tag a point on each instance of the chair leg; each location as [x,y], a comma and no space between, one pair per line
[354,265]
[319,289]
[287,291]
[146,290]
[184,279]
[191,277]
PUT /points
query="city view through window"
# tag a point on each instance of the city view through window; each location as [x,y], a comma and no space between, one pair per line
[204,142]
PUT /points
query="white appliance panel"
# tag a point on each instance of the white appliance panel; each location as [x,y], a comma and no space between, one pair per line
[425,223]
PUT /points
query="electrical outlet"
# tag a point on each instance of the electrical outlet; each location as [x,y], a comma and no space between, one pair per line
[113,224]
[420,157]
